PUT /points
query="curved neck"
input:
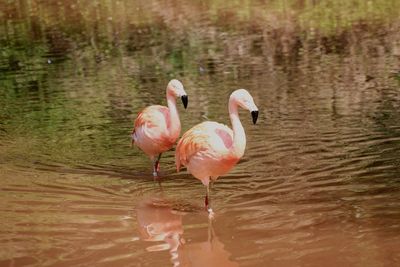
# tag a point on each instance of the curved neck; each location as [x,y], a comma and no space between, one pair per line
[175,124]
[239,136]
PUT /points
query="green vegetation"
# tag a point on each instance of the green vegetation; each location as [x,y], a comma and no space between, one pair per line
[97,30]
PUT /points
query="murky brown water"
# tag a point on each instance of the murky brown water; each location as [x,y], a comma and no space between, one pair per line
[320,180]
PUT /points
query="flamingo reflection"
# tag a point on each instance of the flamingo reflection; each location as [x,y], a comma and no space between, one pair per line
[159,221]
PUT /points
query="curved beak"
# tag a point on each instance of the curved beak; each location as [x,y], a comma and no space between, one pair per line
[254,115]
[184,100]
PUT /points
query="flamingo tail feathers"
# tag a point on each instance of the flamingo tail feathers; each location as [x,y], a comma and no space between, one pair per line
[132,140]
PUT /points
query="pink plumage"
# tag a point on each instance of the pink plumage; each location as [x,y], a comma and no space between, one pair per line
[151,130]
[157,128]
[211,149]
[205,151]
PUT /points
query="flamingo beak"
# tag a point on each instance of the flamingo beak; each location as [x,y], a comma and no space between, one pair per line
[254,115]
[184,100]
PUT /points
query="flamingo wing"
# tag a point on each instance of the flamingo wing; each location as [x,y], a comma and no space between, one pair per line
[151,129]
[208,137]
[153,116]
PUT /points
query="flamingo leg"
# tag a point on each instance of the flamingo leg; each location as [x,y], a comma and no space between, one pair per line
[156,166]
[206,199]
[207,203]
[158,162]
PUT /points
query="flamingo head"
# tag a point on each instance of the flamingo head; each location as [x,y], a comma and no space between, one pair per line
[175,88]
[243,98]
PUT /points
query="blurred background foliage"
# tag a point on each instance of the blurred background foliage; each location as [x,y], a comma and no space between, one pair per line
[178,31]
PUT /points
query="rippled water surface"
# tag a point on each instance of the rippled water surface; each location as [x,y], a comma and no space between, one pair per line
[319,184]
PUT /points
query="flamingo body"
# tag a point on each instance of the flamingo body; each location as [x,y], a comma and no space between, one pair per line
[205,151]
[151,130]
[157,128]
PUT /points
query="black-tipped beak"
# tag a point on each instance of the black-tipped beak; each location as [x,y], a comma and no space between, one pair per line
[254,115]
[184,100]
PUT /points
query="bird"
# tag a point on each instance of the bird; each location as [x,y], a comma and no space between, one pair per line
[210,149]
[156,127]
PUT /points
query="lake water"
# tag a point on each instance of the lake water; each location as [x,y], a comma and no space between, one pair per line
[319,183]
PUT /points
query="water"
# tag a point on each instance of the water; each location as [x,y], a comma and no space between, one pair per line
[319,183]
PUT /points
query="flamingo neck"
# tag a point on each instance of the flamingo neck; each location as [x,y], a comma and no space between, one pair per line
[239,136]
[174,128]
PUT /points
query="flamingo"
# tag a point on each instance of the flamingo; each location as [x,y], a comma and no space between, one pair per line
[211,149]
[157,128]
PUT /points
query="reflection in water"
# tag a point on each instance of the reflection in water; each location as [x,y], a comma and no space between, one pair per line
[159,221]
[207,253]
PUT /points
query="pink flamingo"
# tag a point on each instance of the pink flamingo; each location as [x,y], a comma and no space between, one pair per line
[210,149]
[157,128]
